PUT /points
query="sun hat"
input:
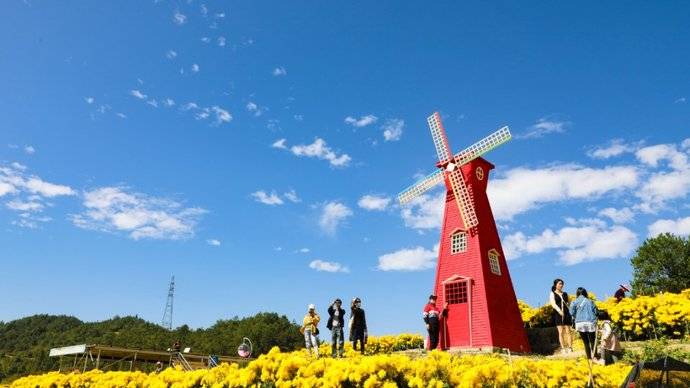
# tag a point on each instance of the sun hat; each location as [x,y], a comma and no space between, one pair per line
[626,287]
[312,307]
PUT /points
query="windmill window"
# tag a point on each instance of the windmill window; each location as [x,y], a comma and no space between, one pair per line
[494,264]
[456,292]
[458,242]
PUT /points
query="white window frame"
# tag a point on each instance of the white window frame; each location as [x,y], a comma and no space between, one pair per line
[494,262]
[461,245]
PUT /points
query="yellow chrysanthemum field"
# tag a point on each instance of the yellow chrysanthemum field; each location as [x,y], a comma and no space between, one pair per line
[384,366]
[297,369]
[641,317]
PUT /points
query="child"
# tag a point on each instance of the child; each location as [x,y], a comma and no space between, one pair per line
[610,346]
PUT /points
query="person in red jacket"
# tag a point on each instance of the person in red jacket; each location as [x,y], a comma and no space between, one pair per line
[432,319]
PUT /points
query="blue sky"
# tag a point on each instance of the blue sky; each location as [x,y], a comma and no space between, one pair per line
[254,149]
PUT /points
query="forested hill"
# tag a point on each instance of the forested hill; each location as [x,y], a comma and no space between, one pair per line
[24,343]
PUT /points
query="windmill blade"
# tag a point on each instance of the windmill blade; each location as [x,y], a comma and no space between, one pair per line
[462,198]
[420,187]
[483,146]
[438,135]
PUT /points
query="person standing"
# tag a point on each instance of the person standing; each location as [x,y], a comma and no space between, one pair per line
[432,319]
[561,317]
[610,346]
[620,292]
[336,320]
[585,315]
[358,325]
[311,331]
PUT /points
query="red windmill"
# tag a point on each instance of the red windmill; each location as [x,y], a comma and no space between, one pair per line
[471,274]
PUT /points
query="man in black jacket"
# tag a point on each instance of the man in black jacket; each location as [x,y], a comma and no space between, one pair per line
[336,318]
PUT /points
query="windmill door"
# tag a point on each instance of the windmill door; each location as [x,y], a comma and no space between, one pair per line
[457,292]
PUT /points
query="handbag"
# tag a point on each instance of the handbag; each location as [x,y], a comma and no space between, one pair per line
[316,331]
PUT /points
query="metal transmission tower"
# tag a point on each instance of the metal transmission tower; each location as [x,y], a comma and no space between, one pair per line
[168,313]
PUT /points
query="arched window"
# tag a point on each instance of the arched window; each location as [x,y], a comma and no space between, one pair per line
[458,242]
[494,264]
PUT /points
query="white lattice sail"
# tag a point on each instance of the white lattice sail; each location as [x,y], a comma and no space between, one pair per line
[438,135]
[483,146]
[420,187]
[463,199]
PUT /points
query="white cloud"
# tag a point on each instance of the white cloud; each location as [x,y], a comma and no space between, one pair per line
[153,102]
[680,100]
[280,143]
[114,209]
[204,10]
[213,242]
[393,129]
[680,226]
[255,109]
[318,149]
[121,115]
[202,113]
[522,189]
[195,68]
[328,266]
[30,206]
[374,202]
[190,106]
[652,155]
[222,115]
[206,39]
[542,127]
[588,240]
[30,221]
[38,186]
[685,144]
[13,180]
[278,71]
[362,121]
[221,41]
[615,148]
[89,100]
[662,186]
[6,188]
[138,94]
[171,54]
[30,193]
[267,199]
[408,259]
[298,117]
[619,216]
[169,102]
[425,211]
[179,18]
[29,150]
[292,196]
[333,214]
[304,250]
[18,166]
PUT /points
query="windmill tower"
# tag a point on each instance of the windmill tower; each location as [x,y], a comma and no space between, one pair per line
[471,274]
[168,313]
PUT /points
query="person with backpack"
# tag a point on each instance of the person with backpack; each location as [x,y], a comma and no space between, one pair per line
[336,319]
[585,315]
[432,320]
[611,350]
[311,331]
[358,325]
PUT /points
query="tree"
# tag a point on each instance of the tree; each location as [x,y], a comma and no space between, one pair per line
[661,264]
